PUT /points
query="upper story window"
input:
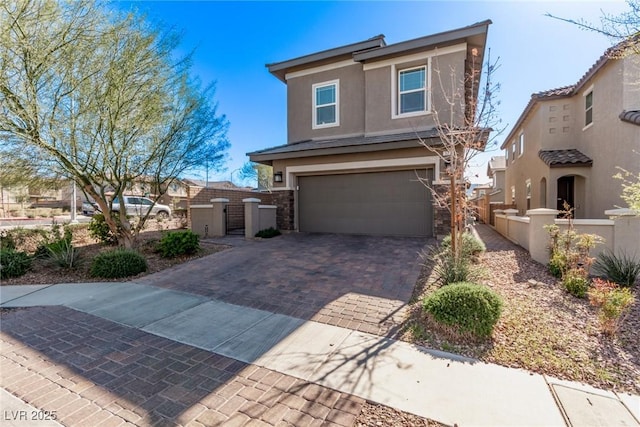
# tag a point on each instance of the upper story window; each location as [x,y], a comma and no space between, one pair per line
[588,108]
[513,151]
[521,144]
[412,90]
[326,104]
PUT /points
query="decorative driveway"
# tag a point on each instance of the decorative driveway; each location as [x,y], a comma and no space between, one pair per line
[357,282]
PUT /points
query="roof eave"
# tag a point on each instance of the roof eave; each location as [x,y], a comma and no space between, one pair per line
[480,28]
[279,69]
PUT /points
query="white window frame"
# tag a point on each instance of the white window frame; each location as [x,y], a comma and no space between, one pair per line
[395,94]
[314,106]
[521,144]
[513,151]
[513,194]
[585,94]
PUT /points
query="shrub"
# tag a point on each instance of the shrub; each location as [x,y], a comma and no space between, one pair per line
[176,243]
[63,254]
[117,263]
[7,240]
[576,283]
[621,269]
[268,233]
[612,303]
[471,246]
[557,264]
[448,270]
[13,263]
[99,229]
[468,307]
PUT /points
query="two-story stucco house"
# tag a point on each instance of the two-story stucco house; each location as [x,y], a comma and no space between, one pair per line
[353,162]
[568,142]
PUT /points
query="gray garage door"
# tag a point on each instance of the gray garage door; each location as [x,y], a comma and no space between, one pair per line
[380,203]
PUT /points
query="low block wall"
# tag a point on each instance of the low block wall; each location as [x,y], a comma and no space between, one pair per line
[267,217]
[620,233]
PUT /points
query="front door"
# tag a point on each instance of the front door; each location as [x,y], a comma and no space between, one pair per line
[565,192]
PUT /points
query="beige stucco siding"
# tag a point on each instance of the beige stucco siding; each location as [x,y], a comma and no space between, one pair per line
[351,104]
[560,124]
[382,96]
[376,160]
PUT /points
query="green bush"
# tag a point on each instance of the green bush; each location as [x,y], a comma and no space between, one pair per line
[576,283]
[268,233]
[99,229]
[7,240]
[117,263]
[468,307]
[13,263]
[176,243]
[471,246]
[612,303]
[557,264]
[622,269]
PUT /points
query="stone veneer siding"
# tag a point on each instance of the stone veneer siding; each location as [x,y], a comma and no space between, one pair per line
[284,200]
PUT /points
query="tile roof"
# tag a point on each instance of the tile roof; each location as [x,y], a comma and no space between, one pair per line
[560,158]
[632,117]
[561,91]
[346,142]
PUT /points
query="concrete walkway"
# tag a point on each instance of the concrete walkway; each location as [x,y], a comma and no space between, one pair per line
[428,383]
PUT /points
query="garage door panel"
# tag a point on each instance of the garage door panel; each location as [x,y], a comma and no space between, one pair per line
[382,203]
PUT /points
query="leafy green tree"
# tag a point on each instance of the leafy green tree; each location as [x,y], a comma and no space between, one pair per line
[100,97]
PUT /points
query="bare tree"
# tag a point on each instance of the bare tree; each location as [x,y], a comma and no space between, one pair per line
[98,96]
[464,126]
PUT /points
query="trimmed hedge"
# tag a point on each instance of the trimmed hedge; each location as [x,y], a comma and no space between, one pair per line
[118,263]
[468,307]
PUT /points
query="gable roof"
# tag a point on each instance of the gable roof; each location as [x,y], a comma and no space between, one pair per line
[376,48]
[612,53]
[562,158]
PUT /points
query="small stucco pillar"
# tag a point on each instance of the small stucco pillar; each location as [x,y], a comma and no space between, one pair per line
[626,230]
[251,217]
[201,219]
[538,236]
[219,222]
[511,212]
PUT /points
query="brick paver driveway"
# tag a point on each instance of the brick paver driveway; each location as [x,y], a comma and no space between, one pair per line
[357,282]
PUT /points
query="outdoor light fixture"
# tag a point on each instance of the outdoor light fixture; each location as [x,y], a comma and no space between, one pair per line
[277,177]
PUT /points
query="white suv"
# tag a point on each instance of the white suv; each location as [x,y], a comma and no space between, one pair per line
[136,205]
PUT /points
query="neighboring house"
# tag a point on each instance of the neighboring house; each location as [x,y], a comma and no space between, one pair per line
[496,169]
[568,142]
[353,162]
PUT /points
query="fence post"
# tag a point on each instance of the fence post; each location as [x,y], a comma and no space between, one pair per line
[251,217]
[219,223]
[538,236]
[626,230]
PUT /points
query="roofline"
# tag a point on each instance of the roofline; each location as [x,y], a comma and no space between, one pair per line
[535,97]
[373,42]
[422,42]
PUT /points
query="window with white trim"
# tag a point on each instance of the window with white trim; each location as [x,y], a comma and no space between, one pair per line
[412,90]
[326,104]
[513,150]
[521,144]
[588,108]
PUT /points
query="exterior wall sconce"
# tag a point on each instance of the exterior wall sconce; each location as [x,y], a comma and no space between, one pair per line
[277,177]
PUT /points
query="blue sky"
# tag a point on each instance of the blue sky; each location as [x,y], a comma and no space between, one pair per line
[234,41]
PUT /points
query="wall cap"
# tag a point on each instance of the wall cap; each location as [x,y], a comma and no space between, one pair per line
[542,211]
[201,206]
[510,211]
[251,200]
[621,212]
[220,200]
[267,207]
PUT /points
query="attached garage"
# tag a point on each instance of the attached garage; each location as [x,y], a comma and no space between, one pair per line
[393,203]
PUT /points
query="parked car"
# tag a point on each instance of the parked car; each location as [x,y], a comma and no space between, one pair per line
[137,205]
[89,208]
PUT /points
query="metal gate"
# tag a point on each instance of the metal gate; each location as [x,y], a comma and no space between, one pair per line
[234,218]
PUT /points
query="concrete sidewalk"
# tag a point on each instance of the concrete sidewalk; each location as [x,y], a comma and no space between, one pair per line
[428,383]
